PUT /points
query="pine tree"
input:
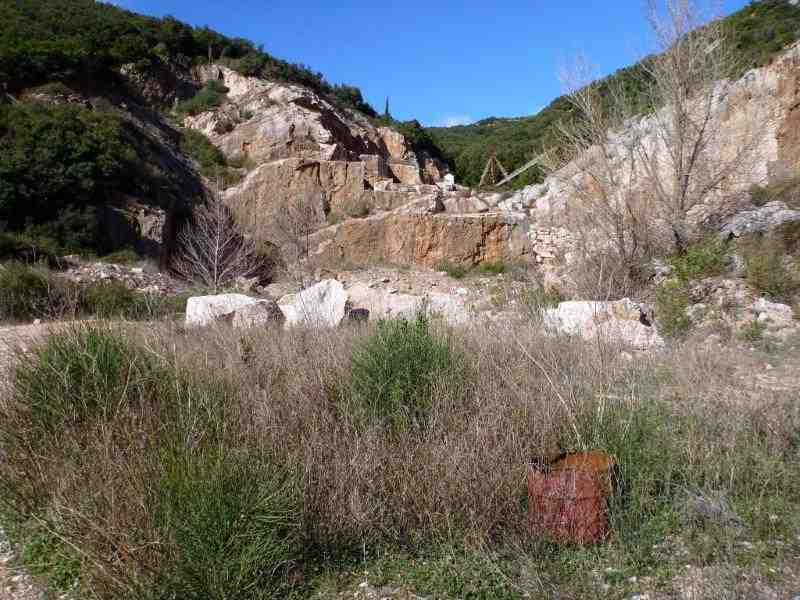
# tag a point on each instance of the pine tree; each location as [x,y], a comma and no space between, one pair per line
[386,114]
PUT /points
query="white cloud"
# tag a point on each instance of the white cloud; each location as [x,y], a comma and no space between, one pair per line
[455,120]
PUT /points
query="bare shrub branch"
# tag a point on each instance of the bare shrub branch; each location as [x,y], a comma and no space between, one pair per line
[636,178]
[214,252]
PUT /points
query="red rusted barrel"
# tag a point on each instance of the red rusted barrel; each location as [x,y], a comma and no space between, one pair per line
[568,498]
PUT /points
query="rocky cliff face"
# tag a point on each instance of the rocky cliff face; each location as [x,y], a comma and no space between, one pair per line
[295,142]
[763,107]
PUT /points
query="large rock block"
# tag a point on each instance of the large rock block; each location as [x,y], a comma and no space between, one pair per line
[624,322]
[408,239]
[239,310]
[382,304]
[321,305]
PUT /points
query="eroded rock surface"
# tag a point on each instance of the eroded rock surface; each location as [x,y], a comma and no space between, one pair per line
[625,322]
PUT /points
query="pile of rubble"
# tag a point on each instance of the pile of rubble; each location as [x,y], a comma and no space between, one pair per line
[141,278]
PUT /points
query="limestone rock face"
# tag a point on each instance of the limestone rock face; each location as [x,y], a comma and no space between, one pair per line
[759,220]
[239,310]
[768,97]
[327,185]
[294,141]
[321,305]
[408,239]
[620,322]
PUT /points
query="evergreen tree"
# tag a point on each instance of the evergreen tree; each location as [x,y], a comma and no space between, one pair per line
[386,114]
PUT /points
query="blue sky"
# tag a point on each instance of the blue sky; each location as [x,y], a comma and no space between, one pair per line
[442,62]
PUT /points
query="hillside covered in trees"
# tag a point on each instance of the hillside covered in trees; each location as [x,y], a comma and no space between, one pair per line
[47,40]
[761,29]
[64,159]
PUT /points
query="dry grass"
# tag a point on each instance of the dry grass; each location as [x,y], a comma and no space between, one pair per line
[216,411]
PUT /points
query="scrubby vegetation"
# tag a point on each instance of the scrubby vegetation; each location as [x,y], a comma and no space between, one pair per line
[211,96]
[459,271]
[211,464]
[33,292]
[766,271]
[57,165]
[706,259]
[393,373]
[672,300]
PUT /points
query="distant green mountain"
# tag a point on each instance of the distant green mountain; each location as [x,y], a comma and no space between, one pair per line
[762,29]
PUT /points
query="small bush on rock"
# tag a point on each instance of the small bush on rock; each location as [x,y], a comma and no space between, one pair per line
[393,371]
[210,97]
[705,259]
[492,268]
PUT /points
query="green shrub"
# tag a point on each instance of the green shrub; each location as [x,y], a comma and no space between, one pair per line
[392,373]
[535,299]
[753,332]
[492,268]
[209,513]
[705,259]
[108,300]
[115,300]
[672,300]
[766,272]
[57,164]
[234,529]
[209,97]
[199,147]
[23,292]
[126,256]
[789,236]
[24,248]
[456,271]
[31,292]
[786,190]
[77,376]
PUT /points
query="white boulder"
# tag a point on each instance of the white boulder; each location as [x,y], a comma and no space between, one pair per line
[778,319]
[321,305]
[382,304]
[240,310]
[622,322]
[450,308]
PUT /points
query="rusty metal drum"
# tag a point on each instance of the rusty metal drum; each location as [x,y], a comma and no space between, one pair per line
[568,499]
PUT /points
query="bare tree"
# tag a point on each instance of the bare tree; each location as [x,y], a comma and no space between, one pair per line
[213,251]
[637,158]
[292,225]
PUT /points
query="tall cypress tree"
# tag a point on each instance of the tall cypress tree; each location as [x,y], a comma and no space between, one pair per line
[386,114]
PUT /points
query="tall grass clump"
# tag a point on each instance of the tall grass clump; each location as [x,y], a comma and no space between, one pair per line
[141,473]
[765,270]
[672,300]
[393,372]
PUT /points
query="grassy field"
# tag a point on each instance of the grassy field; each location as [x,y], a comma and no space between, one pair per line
[159,462]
